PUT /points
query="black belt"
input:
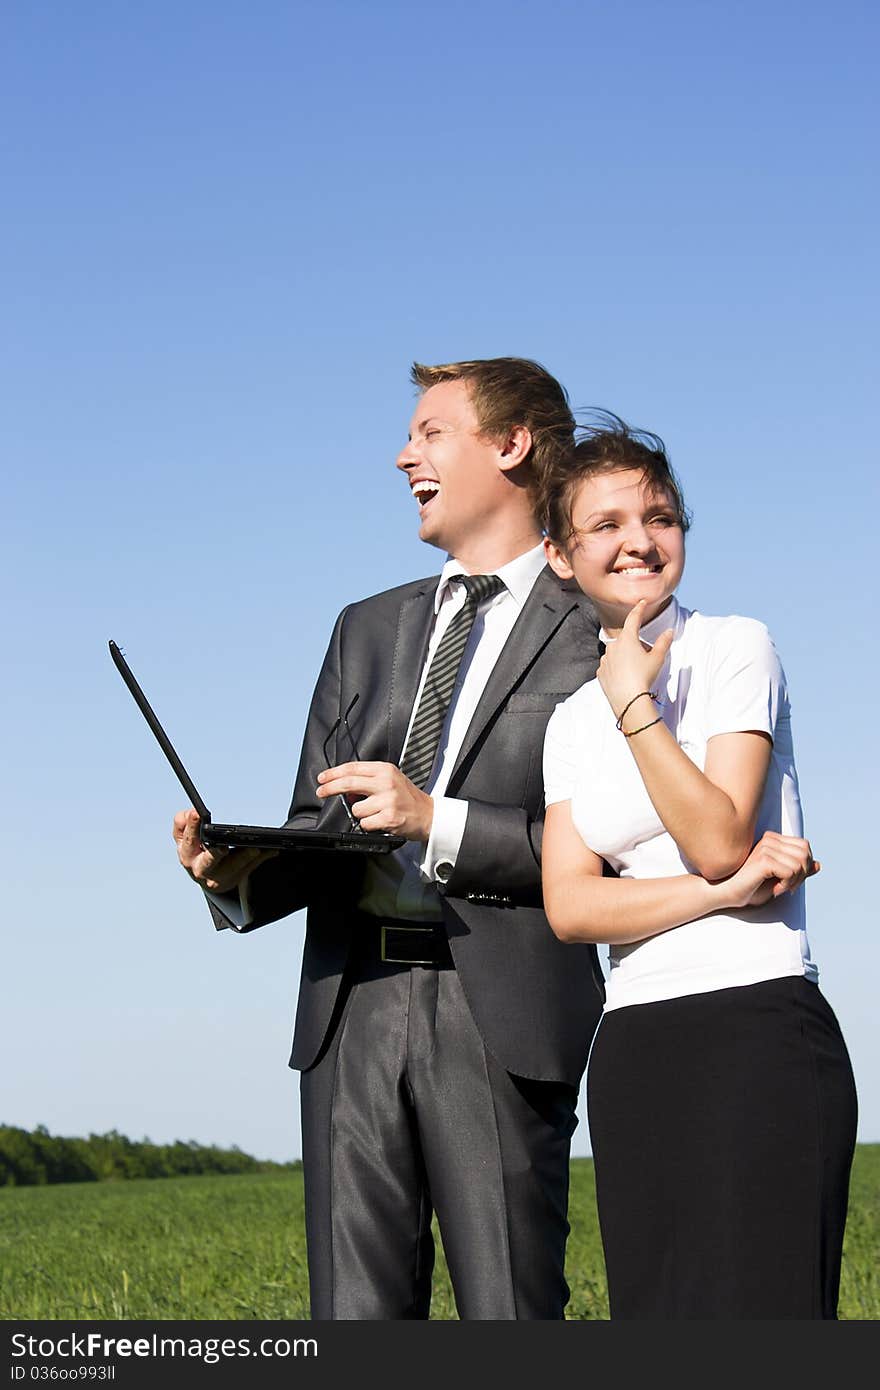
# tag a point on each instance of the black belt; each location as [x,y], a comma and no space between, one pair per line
[403,943]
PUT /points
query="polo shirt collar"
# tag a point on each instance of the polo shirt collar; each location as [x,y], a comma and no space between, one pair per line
[518,575]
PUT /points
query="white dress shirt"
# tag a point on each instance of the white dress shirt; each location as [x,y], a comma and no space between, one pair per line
[403,884]
[722,675]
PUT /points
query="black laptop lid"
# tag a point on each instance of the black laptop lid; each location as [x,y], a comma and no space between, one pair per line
[259,836]
[146,710]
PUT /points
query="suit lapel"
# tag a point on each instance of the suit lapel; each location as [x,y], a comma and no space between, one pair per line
[411,645]
[546,608]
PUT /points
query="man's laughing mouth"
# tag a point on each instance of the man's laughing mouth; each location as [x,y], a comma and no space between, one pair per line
[424,490]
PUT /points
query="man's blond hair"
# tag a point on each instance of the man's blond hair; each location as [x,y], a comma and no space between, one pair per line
[507,392]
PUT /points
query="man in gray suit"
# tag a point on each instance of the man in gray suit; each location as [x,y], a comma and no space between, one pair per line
[442,1029]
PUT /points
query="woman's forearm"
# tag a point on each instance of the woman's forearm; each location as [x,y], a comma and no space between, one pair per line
[713,833]
[585,907]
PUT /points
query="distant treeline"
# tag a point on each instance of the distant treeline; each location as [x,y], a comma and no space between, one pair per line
[29,1159]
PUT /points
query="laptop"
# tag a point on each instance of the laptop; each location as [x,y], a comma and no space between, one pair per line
[212,834]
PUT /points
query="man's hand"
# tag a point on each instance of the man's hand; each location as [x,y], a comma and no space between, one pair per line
[627,669]
[218,870]
[390,802]
[778,864]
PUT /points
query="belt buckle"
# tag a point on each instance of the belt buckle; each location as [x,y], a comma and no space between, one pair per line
[404,960]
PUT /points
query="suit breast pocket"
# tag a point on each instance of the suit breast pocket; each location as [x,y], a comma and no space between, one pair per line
[535,702]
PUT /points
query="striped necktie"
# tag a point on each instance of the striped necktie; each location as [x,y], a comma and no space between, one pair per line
[421,746]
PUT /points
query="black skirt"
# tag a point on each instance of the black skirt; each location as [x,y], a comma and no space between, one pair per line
[723,1126]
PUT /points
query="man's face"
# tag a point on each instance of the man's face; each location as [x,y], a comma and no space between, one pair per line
[452,471]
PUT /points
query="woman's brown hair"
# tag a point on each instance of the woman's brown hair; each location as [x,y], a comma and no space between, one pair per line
[609,445]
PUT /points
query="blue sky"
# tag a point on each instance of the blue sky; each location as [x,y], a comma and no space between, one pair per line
[227,231]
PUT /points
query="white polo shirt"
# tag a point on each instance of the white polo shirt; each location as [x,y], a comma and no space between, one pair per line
[722,675]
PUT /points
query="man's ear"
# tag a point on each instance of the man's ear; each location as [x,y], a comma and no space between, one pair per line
[557,560]
[514,448]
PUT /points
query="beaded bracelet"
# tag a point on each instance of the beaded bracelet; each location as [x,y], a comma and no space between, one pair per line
[632,733]
[652,695]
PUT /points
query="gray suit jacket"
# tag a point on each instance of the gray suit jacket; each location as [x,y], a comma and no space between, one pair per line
[535,1000]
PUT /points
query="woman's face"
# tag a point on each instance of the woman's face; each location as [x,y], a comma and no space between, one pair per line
[627,545]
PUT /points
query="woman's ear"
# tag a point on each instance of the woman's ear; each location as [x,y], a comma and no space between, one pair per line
[557,559]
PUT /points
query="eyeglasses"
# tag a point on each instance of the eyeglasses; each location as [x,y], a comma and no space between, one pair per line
[342,722]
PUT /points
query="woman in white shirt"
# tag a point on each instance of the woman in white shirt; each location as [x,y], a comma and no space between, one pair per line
[722,1105]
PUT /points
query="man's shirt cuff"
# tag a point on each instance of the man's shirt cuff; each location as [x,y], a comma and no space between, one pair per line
[444,842]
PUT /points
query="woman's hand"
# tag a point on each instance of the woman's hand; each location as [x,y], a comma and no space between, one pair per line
[627,669]
[778,864]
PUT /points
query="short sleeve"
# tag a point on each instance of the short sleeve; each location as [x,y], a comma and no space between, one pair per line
[560,761]
[746,682]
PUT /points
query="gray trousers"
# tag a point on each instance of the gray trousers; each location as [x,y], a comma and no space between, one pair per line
[405,1114]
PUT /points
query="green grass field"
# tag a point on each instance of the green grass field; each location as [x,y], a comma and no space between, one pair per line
[234,1247]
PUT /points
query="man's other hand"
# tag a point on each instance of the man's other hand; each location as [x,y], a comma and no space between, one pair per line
[381,798]
[218,870]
